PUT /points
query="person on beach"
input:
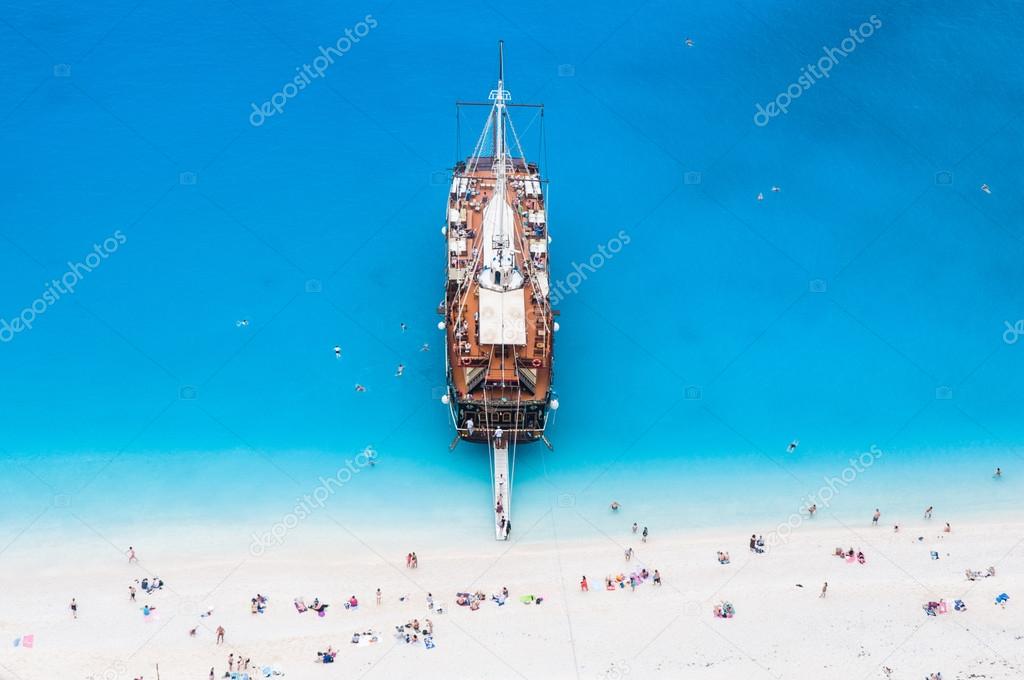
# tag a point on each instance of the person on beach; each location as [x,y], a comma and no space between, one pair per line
[220,635]
[583,584]
[824,589]
[131,555]
[947,529]
[211,673]
[999,472]
[508,528]
[813,509]
[408,561]
[874,519]
[629,554]
[231,662]
[415,561]
[131,593]
[644,539]
[753,543]
[657,577]
[378,597]
[928,512]
[74,609]
[896,528]
[634,527]
[430,601]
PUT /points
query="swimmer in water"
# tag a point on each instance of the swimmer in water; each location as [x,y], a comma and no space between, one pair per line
[400,370]
[242,323]
[615,505]
[760,196]
[986,188]
[792,446]
[689,42]
[425,347]
[402,326]
[776,189]
[360,388]
[998,473]
[337,351]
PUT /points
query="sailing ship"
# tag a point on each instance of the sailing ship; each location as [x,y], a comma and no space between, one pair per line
[498,320]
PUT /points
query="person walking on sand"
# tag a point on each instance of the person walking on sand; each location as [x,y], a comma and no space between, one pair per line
[583,584]
[753,543]
[231,662]
[875,517]
[131,555]
[220,635]
[131,593]
[928,512]
[74,608]
[634,527]
[378,597]
[948,528]
[824,589]
[657,577]
[212,676]
[644,539]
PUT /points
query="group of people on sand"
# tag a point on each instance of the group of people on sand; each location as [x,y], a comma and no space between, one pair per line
[258,604]
[756,544]
[411,561]
[723,557]
[317,606]
[850,555]
[620,580]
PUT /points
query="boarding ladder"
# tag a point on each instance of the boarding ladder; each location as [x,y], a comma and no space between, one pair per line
[502,493]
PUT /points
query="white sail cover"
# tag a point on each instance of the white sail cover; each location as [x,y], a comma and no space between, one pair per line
[499,220]
[502,317]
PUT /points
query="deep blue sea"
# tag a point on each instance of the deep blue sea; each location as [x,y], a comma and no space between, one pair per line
[872,301]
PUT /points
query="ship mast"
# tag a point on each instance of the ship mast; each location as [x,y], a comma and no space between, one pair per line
[500,272]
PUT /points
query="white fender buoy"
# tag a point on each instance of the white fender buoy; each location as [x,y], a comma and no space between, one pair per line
[444,398]
[557,327]
[549,240]
[440,325]
[444,231]
[554,404]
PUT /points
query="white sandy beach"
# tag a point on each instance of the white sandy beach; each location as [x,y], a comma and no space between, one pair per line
[872,617]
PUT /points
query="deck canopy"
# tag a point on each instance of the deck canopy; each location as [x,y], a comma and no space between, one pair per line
[502,317]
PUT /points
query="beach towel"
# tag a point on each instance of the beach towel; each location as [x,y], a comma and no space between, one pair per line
[26,641]
[935,554]
[527,599]
[428,642]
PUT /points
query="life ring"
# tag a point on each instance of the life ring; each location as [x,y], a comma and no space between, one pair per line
[535,363]
[464,361]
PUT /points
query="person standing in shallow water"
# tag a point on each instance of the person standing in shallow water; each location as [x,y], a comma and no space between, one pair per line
[874,518]
[644,538]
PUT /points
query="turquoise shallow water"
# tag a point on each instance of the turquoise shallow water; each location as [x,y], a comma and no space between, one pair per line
[842,310]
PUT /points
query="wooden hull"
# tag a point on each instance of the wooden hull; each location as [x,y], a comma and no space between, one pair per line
[495,382]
